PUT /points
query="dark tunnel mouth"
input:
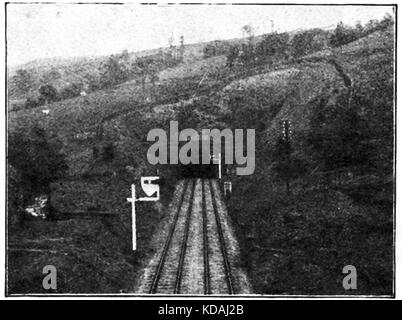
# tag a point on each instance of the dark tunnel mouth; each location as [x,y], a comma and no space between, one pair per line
[209,171]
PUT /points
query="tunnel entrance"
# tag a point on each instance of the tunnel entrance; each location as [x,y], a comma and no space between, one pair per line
[207,171]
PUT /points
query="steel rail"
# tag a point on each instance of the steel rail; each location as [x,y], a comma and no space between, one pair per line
[165,250]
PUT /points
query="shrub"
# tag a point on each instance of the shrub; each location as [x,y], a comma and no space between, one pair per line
[273,44]
[342,35]
[34,102]
[36,159]
[286,165]
[23,81]
[308,42]
[338,135]
[71,91]
[48,92]
[113,72]
[233,53]
[108,152]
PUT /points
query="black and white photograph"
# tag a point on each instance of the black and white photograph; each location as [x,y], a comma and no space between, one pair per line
[200,150]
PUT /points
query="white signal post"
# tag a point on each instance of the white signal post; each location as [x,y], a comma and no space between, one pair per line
[133,222]
[219,164]
[149,189]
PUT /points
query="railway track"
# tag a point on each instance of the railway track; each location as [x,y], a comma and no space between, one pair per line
[222,244]
[194,258]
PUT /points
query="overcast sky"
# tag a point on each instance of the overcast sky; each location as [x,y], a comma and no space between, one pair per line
[66,30]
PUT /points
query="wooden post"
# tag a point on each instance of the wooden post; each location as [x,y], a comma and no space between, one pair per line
[145,187]
[220,166]
[133,217]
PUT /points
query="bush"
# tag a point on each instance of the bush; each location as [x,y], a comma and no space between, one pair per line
[215,48]
[71,91]
[48,93]
[36,160]
[113,72]
[23,81]
[34,102]
[342,35]
[338,135]
[273,44]
[308,42]
[14,195]
[286,165]
[233,53]
[209,50]
[108,152]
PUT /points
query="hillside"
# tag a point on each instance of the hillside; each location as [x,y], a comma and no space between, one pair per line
[318,222]
[63,72]
[278,233]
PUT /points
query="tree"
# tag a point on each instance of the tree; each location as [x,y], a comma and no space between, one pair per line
[307,42]
[187,117]
[232,55]
[108,152]
[386,21]
[48,92]
[209,50]
[248,30]
[359,29]
[246,54]
[113,71]
[371,26]
[70,91]
[338,136]
[36,159]
[34,102]
[146,67]
[286,165]
[14,195]
[342,35]
[273,44]
[181,50]
[23,80]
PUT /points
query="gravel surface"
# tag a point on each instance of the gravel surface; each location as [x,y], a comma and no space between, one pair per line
[193,270]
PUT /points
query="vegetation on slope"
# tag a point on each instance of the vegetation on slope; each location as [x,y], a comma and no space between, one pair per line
[340,208]
[295,243]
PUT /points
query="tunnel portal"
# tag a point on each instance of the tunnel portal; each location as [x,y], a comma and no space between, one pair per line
[207,171]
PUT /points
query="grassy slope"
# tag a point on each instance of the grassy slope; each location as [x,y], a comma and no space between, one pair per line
[299,245]
[99,256]
[281,252]
[125,114]
[76,69]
